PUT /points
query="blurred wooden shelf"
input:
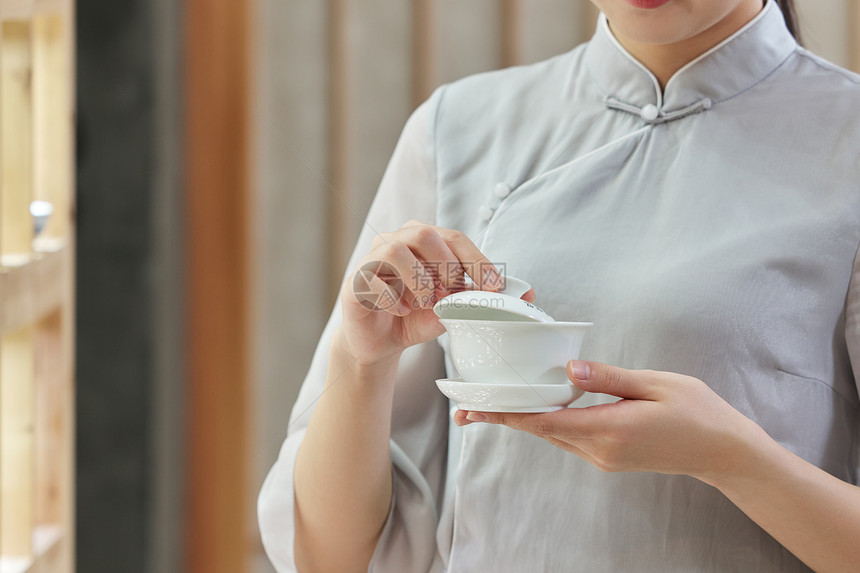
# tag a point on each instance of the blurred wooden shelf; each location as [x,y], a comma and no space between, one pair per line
[47,540]
[32,289]
[27,9]
[53,6]
[36,286]
[17,9]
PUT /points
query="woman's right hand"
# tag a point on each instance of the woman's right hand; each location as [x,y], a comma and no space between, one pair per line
[388,301]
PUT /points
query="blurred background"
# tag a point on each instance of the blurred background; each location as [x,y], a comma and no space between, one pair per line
[225,153]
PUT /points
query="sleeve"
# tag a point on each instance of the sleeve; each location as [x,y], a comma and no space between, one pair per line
[852,339]
[420,416]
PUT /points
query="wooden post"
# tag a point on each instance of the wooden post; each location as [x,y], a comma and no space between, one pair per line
[52,122]
[854,35]
[49,421]
[338,141]
[589,19]
[36,291]
[511,33]
[16,149]
[217,151]
[17,443]
[423,47]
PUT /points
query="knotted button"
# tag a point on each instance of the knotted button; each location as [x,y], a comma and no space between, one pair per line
[502,190]
[650,112]
[485,213]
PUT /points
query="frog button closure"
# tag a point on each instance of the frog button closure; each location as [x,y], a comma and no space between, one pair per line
[502,190]
[485,213]
[650,112]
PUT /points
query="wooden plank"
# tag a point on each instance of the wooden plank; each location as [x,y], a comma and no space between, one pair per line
[467,38]
[50,411]
[370,98]
[48,548]
[854,35]
[824,30]
[511,32]
[36,78]
[168,401]
[588,20]
[3,305]
[337,220]
[551,27]
[54,7]
[60,557]
[19,300]
[52,272]
[34,289]
[16,226]
[217,76]
[16,443]
[379,102]
[423,50]
[52,121]
[16,9]
[291,203]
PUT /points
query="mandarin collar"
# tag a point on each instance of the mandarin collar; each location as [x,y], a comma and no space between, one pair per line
[729,68]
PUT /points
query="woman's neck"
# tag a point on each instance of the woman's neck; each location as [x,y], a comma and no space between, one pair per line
[665,59]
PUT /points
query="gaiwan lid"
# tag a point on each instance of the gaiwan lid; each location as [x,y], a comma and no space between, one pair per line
[487,305]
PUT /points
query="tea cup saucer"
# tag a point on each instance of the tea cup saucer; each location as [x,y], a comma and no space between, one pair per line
[522,398]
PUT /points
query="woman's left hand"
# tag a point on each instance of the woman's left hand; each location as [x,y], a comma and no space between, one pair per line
[674,424]
[667,423]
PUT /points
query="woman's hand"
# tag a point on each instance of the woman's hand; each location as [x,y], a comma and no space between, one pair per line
[666,423]
[674,424]
[388,301]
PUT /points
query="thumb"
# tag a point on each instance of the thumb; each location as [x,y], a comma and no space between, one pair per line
[606,379]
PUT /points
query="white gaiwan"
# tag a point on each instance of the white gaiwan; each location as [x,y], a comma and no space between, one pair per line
[522,398]
[514,352]
[512,355]
[505,304]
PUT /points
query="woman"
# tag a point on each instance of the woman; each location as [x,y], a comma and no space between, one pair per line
[688,182]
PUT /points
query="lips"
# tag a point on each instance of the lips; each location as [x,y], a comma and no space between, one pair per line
[647,4]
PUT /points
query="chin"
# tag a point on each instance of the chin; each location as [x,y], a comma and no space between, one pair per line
[654,33]
[674,21]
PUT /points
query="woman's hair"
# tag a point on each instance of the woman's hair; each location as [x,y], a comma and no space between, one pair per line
[790,14]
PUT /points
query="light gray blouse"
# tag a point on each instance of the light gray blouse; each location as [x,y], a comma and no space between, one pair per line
[709,229]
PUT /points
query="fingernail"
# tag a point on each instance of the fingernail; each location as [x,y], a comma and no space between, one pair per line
[494,279]
[476,417]
[580,369]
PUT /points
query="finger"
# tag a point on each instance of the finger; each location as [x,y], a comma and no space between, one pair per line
[381,295]
[547,425]
[529,296]
[483,272]
[460,418]
[567,424]
[415,223]
[580,447]
[397,258]
[438,259]
[606,379]
[409,303]
[574,449]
